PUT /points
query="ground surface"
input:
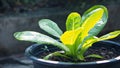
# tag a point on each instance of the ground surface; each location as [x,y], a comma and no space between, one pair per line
[15,61]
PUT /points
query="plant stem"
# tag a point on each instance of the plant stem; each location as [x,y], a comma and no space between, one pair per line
[58,53]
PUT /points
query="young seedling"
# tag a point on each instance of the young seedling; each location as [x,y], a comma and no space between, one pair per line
[80,34]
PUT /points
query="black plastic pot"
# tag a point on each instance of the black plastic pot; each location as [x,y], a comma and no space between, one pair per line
[33,52]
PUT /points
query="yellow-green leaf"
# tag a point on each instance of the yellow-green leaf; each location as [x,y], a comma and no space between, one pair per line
[90,22]
[110,35]
[87,42]
[100,24]
[69,37]
[73,21]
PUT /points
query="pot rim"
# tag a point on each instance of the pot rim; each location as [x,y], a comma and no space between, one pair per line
[27,53]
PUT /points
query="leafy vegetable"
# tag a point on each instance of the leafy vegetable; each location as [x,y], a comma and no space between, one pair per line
[80,33]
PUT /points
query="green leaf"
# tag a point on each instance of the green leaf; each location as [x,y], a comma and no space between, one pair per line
[110,35]
[38,38]
[94,19]
[94,56]
[73,21]
[50,27]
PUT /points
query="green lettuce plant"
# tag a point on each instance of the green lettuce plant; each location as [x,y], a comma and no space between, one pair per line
[80,34]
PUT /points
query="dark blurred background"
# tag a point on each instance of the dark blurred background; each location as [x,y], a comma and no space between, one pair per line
[21,15]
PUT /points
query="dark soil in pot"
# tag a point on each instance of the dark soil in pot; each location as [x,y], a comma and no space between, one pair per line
[109,50]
